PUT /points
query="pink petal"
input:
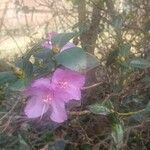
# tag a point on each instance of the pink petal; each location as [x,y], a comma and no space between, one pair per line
[37,91]
[67,46]
[51,35]
[58,114]
[38,87]
[69,76]
[68,94]
[47,44]
[45,82]
[35,108]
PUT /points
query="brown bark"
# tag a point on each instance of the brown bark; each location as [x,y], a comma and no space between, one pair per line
[88,37]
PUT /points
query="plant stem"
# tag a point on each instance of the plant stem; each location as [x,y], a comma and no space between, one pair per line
[130,113]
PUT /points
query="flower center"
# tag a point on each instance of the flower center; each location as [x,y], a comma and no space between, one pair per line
[47,98]
[63,85]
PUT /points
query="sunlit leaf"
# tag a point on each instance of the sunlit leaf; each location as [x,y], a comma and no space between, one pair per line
[73,58]
[62,38]
[77,59]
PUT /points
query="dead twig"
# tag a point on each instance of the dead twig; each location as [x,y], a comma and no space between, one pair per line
[9,111]
[92,86]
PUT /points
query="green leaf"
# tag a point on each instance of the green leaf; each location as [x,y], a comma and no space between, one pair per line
[124,50]
[18,85]
[22,143]
[73,58]
[58,145]
[107,103]
[99,109]
[117,130]
[140,63]
[91,61]
[44,54]
[7,76]
[62,38]
[146,79]
[117,134]
[147,109]
[86,147]
[77,59]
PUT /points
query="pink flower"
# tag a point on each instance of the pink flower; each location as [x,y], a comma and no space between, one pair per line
[45,94]
[68,84]
[48,43]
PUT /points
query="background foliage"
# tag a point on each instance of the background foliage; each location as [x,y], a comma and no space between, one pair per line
[115,111]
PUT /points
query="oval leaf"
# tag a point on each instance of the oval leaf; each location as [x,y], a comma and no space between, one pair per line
[117,130]
[99,109]
[77,59]
[140,63]
[73,58]
[62,38]
[91,61]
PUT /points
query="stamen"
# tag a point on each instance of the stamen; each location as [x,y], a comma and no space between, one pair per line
[63,85]
[47,98]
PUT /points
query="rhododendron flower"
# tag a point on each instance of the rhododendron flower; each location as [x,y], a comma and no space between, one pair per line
[45,94]
[68,83]
[48,43]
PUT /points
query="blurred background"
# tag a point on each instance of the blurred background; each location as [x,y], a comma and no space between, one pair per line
[22,21]
[103,22]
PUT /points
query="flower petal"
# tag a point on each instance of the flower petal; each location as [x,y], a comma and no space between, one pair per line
[47,44]
[37,91]
[67,46]
[35,108]
[45,82]
[71,77]
[70,93]
[58,114]
[38,88]
[51,35]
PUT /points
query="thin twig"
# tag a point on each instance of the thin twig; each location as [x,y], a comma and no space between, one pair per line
[9,111]
[130,113]
[91,86]
[79,113]
[3,15]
